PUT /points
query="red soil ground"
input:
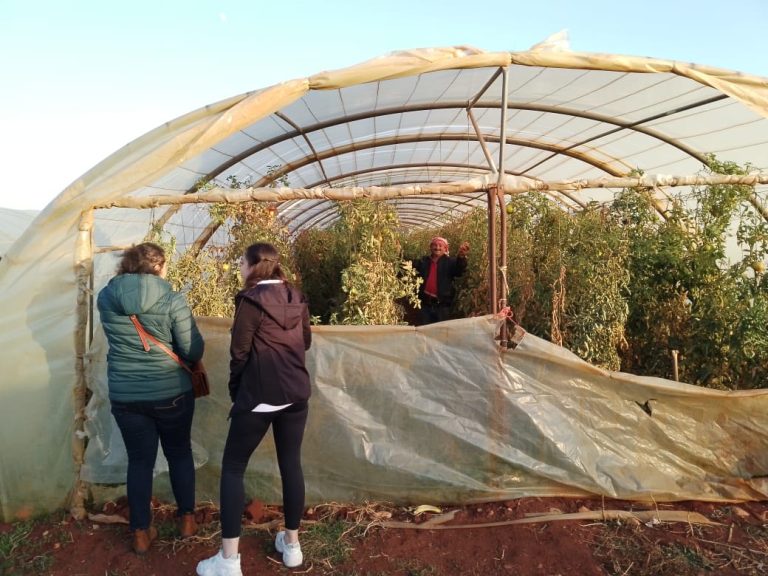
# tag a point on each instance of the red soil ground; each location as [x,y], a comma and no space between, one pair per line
[461,541]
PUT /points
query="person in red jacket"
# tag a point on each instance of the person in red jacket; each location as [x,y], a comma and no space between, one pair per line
[438,270]
[269,386]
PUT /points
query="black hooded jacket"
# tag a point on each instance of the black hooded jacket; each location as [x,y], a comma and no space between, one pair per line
[270,335]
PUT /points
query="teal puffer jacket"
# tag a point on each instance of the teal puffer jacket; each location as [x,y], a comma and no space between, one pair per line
[135,374]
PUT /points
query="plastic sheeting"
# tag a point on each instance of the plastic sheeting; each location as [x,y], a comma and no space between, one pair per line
[12,224]
[442,414]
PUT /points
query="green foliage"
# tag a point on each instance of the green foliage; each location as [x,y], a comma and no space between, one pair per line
[321,256]
[471,288]
[353,272]
[210,276]
[595,310]
[564,274]
[209,280]
[567,276]
[25,548]
[250,222]
[685,295]
[12,539]
[375,278]
[619,286]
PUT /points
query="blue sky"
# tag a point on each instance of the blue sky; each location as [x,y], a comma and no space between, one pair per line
[82,78]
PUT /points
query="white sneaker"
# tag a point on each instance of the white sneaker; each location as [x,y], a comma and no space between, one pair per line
[292,555]
[219,566]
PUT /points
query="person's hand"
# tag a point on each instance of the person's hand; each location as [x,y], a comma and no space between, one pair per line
[463,249]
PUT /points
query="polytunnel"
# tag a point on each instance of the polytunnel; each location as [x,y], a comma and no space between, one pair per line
[435,133]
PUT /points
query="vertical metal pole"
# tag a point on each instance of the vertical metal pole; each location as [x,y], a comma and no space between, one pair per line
[499,418]
[502,297]
[501,262]
[502,243]
[492,264]
[493,271]
[503,127]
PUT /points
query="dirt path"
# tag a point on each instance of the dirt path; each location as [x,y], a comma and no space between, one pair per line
[380,540]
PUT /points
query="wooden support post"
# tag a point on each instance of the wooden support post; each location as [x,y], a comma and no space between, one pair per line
[83,269]
[675,374]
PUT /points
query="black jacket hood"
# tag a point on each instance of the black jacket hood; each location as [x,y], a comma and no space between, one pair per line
[280,301]
[270,334]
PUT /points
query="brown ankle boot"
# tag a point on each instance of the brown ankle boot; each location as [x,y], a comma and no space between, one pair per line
[142,539]
[187,525]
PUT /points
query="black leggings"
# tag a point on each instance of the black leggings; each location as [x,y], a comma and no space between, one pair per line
[246,431]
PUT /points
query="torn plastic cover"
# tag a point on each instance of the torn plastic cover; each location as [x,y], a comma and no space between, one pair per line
[442,414]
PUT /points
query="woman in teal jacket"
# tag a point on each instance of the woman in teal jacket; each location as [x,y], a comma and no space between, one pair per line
[151,394]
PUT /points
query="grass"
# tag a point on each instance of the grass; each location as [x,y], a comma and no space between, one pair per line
[627,550]
[22,553]
[682,559]
[10,541]
[328,540]
[326,543]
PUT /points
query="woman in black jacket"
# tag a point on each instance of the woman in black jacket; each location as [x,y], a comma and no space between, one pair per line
[268,385]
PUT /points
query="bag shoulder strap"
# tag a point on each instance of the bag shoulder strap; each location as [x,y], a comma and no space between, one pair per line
[144,336]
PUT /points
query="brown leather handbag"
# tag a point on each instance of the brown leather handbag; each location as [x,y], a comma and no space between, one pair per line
[196,372]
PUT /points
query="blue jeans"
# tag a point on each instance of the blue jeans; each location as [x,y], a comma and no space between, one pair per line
[142,424]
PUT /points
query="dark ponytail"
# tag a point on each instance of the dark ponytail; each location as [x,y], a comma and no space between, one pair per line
[265,262]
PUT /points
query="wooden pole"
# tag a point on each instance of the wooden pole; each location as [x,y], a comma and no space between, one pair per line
[83,270]
[658,180]
[512,185]
[675,374]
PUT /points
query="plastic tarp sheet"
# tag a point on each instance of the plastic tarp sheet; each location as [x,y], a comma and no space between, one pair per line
[442,414]
[12,224]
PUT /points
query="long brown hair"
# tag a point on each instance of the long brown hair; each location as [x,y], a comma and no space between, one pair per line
[265,262]
[145,258]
